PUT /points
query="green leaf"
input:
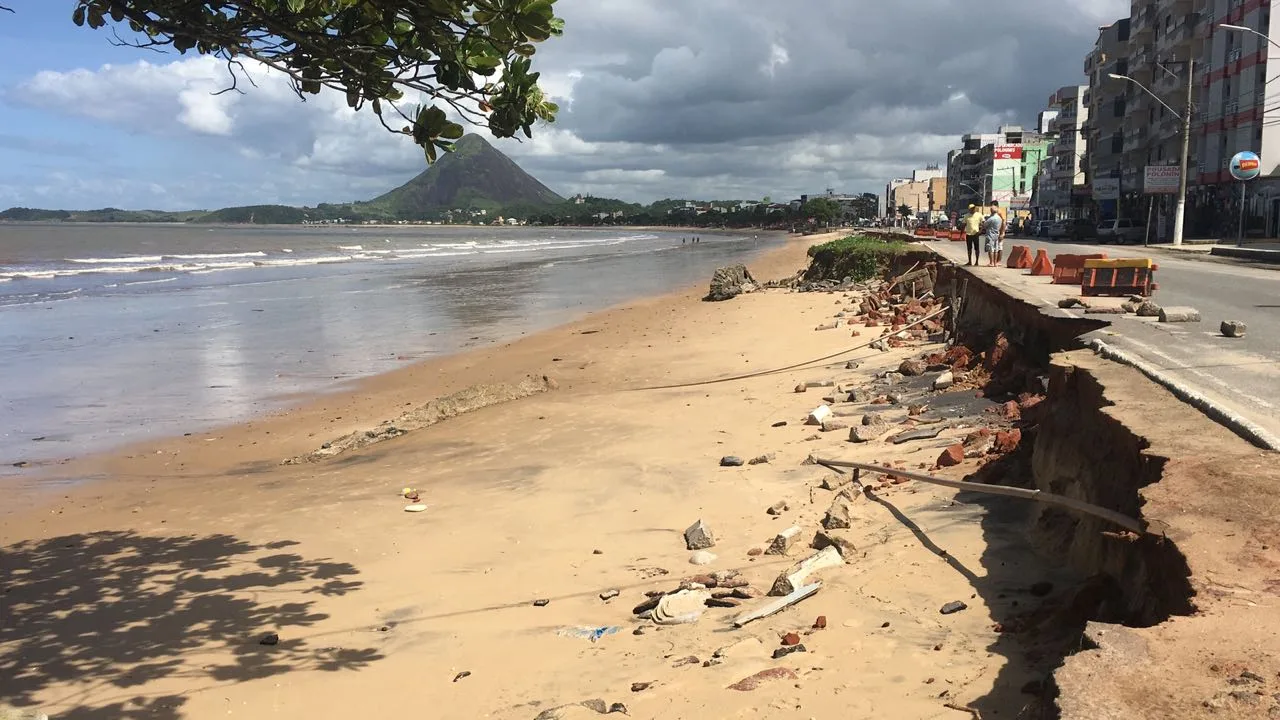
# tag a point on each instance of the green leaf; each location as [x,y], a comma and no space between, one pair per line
[452,131]
[296,6]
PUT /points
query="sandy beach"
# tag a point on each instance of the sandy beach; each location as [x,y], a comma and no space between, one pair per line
[149,592]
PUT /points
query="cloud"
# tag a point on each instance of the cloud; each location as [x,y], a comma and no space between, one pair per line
[659,98]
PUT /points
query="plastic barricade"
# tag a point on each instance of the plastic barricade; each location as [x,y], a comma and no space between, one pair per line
[1120,276]
[1069,269]
[1019,257]
[1041,265]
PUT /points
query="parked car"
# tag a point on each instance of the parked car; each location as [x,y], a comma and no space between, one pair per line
[1041,228]
[1121,230]
[1074,230]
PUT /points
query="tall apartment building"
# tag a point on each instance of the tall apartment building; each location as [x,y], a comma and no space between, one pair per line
[1107,100]
[1070,148]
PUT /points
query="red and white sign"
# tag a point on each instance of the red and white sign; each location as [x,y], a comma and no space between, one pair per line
[1161,179]
[1008,152]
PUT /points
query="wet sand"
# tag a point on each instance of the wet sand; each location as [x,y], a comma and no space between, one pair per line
[147,594]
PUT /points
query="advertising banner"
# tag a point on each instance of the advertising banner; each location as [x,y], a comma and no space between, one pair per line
[1106,188]
[1161,179]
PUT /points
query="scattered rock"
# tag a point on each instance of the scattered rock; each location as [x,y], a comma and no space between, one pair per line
[648,605]
[790,639]
[801,388]
[820,383]
[691,660]
[729,282]
[1129,306]
[979,443]
[640,686]
[618,708]
[1007,442]
[754,552]
[1148,309]
[824,539]
[785,651]
[1105,311]
[597,552]
[780,423]
[782,543]
[752,682]
[837,517]
[727,601]
[760,459]
[1232,328]
[698,537]
[911,368]
[1071,303]
[828,326]
[731,461]
[463,674]
[872,427]
[880,345]
[952,456]
[817,415]
[954,606]
[820,623]
[541,602]
[851,365]
[832,424]
[834,481]
[610,594]
[575,711]
[1011,410]
[1179,314]
[729,579]
[944,381]
[702,557]
[778,508]
[270,639]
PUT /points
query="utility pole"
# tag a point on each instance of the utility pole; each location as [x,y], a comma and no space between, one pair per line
[1181,210]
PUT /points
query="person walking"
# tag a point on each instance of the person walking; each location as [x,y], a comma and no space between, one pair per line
[972,229]
[993,230]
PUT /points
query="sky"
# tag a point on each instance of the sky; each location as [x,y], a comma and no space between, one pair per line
[713,99]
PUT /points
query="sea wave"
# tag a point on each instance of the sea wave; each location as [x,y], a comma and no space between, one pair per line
[219,256]
[123,260]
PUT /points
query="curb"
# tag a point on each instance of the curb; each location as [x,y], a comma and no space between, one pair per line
[1267,256]
[1215,412]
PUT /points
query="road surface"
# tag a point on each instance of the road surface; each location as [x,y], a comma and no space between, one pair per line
[1242,375]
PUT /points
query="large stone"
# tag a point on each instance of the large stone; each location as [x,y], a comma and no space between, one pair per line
[838,516]
[782,543]
[797,575]
[1007,442]
[872,427]
[978,443]
[729,282]
[699,537]
[823,539]
[1179,314]
[1232,328]
[944,381]
[911,367]
[952,456]
[1148,309]
[773,674]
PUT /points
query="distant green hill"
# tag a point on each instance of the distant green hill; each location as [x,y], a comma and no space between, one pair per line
[474,175]
[19,214]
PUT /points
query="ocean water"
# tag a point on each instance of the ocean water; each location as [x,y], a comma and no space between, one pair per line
[111,334]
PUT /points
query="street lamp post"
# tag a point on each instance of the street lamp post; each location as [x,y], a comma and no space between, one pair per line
[1180,212]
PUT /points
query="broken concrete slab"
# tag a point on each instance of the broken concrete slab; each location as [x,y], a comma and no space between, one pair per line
[1148,309]
[783,541]
[702,557]
[944,381]
[817,415]
[794,577]
[835,481]
[1179,314]
[1105,311]
[776,606]
[698,537]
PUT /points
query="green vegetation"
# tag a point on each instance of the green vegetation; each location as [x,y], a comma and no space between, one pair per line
[19,214]
[822,211]
[371,51]
[860,257]
[905,210]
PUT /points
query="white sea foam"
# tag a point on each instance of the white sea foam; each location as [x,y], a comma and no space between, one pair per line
[152,282]
[219,256]
[122,260]
[350,247]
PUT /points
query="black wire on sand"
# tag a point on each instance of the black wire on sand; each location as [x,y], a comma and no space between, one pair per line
[788,368]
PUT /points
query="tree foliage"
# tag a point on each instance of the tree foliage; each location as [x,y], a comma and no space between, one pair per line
[904,210]
[823,211]
[472,56]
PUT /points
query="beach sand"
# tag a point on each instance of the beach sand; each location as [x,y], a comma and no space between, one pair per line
[146,594]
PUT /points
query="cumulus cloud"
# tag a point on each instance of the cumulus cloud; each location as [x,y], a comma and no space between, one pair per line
[659,98]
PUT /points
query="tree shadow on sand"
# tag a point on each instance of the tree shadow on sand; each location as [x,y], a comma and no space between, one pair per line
[103,614]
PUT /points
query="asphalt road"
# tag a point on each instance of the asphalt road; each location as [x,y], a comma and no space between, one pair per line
[1241,374]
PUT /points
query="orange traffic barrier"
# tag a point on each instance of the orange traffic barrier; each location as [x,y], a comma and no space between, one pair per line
[1019,257]
[957,235]
[1122,276]
[1041,265]
[924,232]
[1069,269]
